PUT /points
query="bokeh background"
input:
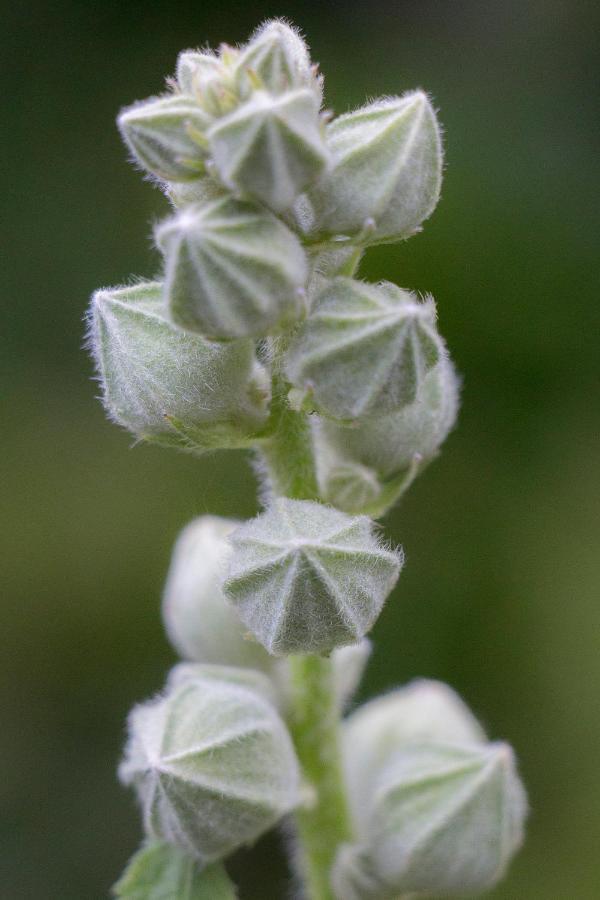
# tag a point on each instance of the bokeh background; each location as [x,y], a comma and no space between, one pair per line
[500,592]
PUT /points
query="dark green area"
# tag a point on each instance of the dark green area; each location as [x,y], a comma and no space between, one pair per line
[500,594]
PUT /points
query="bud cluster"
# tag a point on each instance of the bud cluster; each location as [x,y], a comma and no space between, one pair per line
[259,334]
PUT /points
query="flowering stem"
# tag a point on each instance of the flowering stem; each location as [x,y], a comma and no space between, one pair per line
[324,821]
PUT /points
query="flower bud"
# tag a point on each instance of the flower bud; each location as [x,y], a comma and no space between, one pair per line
[445,819]
[232,269]
[365,467]
[364,350]
[165,135]
[423,710]
[270,148]
[209,79]
[385,175]
[170,386]
[276,57]
[200,623]
[212,764]
[255,681]
[194,66]
[306,578]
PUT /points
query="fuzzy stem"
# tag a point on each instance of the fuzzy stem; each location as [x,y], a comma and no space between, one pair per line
[324,822]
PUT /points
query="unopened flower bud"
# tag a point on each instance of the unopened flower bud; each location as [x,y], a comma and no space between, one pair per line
[385,175]
[277,58]
[306,578]
[445,819]
[212,764]
[270,148]
[201,624]
[194,66]
[232,269]
[364,350]
[166,136]
[423,710]
[255,681]
[366,467]
[170,386]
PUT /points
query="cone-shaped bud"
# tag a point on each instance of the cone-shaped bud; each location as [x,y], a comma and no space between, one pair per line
[423,710]
[270,148]
[364,350]
[165,135]
[306,578]
[194,66]
[170,386]
[277,58]
[201,624]
[232,269]
[385,175]
[213,766]
[445,819]
[209,79]
[367,466]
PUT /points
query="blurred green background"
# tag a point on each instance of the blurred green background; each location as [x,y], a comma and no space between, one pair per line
[500,592]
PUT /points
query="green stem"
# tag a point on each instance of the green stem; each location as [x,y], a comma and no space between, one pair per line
[324,821]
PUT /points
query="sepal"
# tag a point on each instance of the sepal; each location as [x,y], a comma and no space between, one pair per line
[159,871]
[232,269]
[170,386]
[306,578]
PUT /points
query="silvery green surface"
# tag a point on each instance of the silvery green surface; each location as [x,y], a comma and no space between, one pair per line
[423,710]
[444,819]
[201,624]
[306,578]
[159,871]
[232,269]
[253,679]
[171,386]
[386,171]
[271,147]
[212,764]
[276,57]
[364,350]
[195,68]
[162,134]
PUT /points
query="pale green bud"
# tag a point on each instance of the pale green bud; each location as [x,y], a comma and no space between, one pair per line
[232,269]
[209,79]
[166,136]
[385,175]
[445,819]
[270,148]
[423,710]
[276,57]
[194,67]
[364,350]
[212,764]
[306,578]
[250,678]
[170,386]
[200,623]
[159,871]
[365,467]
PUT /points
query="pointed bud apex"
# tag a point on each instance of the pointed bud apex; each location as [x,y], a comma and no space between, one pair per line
[386,166]
[421,711]
[270,148]
[364,350]
[278,57]
[170,386]
[165,134]
[445,819]
[194,67]
[213,766]
[306,578]
[201,624]
[232,269]
[390,448]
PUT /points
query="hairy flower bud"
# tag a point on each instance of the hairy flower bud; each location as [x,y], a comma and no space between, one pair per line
[166,136]
[444,819]
[232,269]
[271,147]
[170,386]
[306,578]
[194,67]
[276,57]
[365,467]
[201,624]
[364,350]
[385,175]
[423,710]
[212,764]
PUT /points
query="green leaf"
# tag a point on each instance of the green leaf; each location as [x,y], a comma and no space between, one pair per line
[159,871]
